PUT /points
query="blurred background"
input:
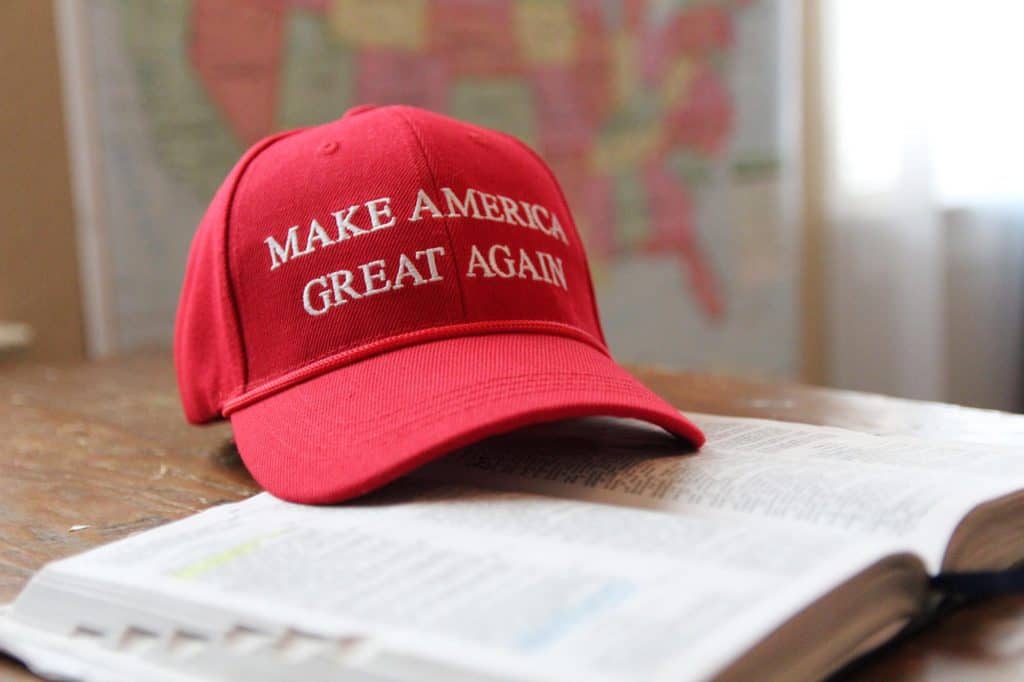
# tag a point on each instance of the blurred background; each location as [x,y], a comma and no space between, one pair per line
[814,190]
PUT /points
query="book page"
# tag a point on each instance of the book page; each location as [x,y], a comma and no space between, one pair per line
[807,476]
[427,576]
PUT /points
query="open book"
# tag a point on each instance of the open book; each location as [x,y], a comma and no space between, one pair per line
[589,550]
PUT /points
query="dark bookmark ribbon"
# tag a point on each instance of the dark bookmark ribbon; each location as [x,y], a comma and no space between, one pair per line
[975,585]
[950,591]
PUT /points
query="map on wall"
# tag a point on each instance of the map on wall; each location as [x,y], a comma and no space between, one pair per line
[664,120]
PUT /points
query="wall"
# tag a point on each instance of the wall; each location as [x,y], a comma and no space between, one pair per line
[38,260]
[812,277]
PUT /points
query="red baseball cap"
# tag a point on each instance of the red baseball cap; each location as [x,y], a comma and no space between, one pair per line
[367,295]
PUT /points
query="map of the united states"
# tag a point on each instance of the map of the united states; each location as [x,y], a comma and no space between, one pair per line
[626,100]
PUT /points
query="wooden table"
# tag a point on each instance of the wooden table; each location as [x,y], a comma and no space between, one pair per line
[90,453]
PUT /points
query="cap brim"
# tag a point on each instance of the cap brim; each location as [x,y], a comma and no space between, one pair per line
[353,429]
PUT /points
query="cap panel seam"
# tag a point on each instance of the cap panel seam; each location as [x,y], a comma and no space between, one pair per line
[229,287]
[436,191]
[568,213]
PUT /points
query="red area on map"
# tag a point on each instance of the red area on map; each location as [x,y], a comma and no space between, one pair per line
[702,121]
[565,123]
[474,37]
[593,66]
[672,217]
[700,30]
[235,47]
[695,33]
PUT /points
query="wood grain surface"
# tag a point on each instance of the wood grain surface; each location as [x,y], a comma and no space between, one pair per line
[92,452]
